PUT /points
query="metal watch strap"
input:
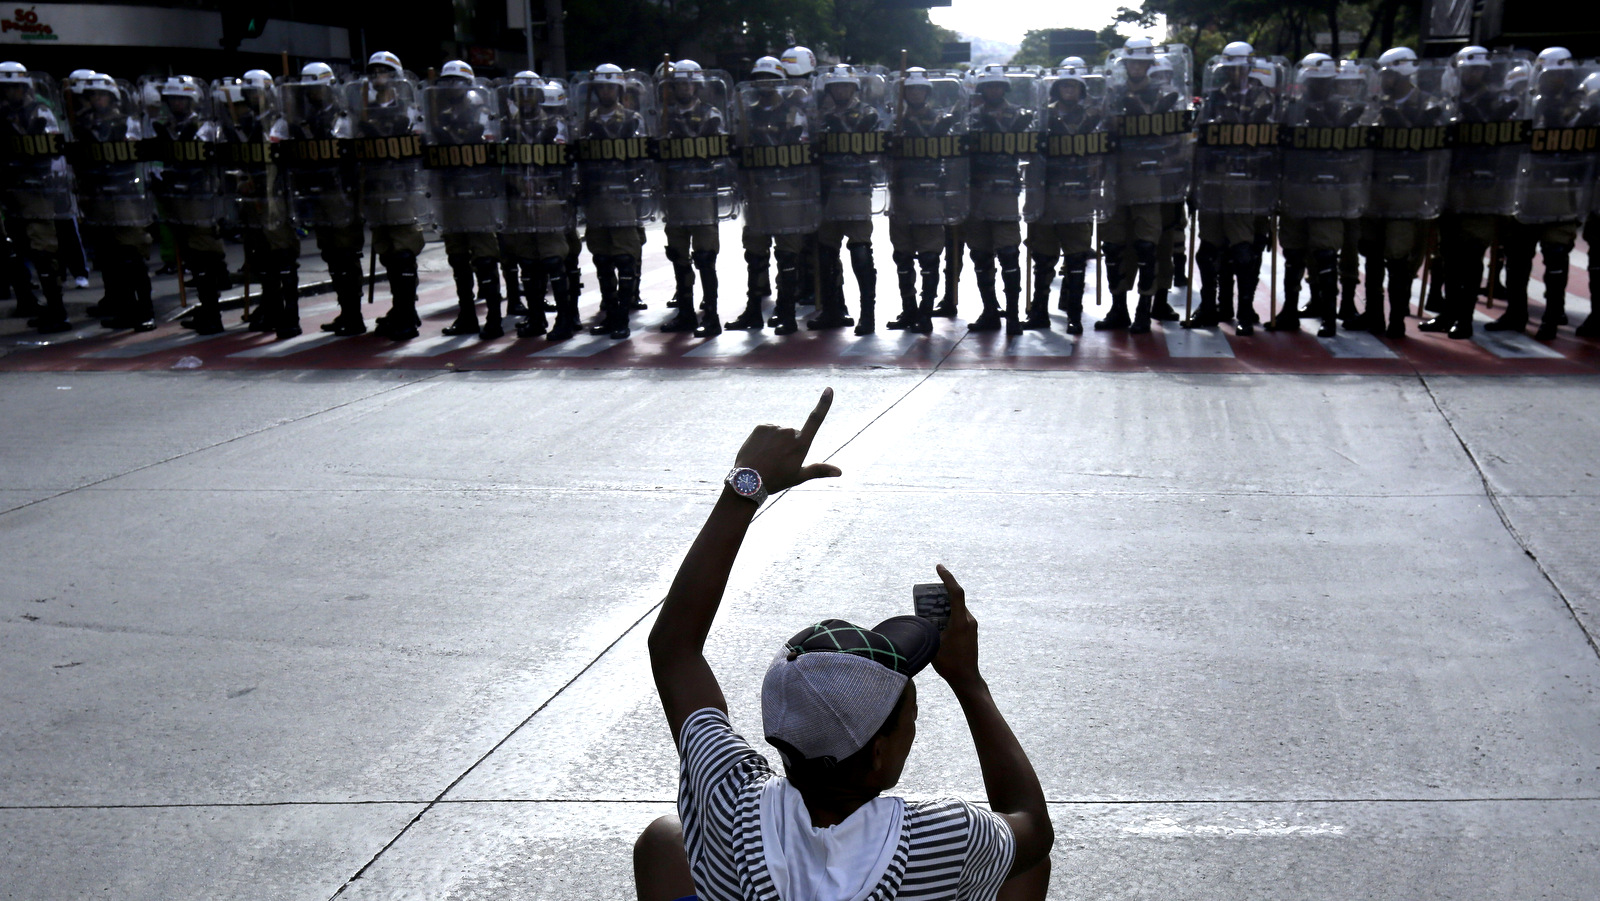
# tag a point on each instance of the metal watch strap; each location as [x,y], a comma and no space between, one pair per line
[759,497]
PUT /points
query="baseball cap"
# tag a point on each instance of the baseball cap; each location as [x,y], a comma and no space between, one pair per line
[834,684]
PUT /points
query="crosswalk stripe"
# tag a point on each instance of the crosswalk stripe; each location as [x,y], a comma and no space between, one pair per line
[1513,345]
[898,344]
[1039,343]
[184,338]
[429,347]
[1196,343]
[1348,345]
[729,344]
[586,346]
[287,346]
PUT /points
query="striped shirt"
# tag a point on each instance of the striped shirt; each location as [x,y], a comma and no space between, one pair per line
[949,850]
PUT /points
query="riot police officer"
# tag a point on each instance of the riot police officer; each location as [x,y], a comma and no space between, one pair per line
[697,189]
[929,189]
[617,186]
[800,65]
[187,193]
[35,184]
[852,129]
[1070,196]
[781,188]
[387,131]
[539,200]
[1006,131]
[113,200]
[253,186]
[468,192]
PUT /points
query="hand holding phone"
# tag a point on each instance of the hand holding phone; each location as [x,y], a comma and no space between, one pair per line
[931,601]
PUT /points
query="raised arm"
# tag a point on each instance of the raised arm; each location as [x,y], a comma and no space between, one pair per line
[683,678]
[1008,776]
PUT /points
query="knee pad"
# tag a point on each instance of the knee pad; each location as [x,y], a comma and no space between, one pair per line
[675,256]
[1324,263]
[861,256]
[402,262]
[1556,259]
[704,259]
[903,261]
[1145,252]
[1243,257]
[456,261]
[1075,263]
[983,264]
[755,257]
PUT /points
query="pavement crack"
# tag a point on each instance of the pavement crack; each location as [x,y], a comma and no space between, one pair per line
[1505,518]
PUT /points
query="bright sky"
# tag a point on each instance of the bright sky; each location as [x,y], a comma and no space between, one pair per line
[1009,20]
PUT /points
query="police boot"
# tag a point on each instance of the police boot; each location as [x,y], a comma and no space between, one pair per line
[16,271]
[1518,270]
[1247,271]
[535,278]
[511,269]
[263,316]
[488,271]
[210,270]
[1294,272]
[867,284]
[710,320]
[1224,286]
[1372,314]
[288,279]
[1011,278]
[1145,253]
[946,307]
[141,304]
[1463,297]
[1180,273]
[758,288]
[627,297]
[788,286]
[1074,273]
[806,266]
[1044,272]
[1160,309]
[402,321]
[345,273]
[1435,302]
[1590,327]
[1458,286]
[832,312]
[1117,316]
[905,270]
[683,281]
[983,271]
[53,315]
[1324,285]
[928,267]
[466,308]
[1208,259]
[1400,278]
[1556,260]
[605,274]
[574,275]
[1347,300]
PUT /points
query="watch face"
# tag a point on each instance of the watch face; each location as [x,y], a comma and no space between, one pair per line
[746,482]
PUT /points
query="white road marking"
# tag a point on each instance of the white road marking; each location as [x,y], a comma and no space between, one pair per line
[288,346]
[729,344]
[1350,345]
[154,345]
[1192,343]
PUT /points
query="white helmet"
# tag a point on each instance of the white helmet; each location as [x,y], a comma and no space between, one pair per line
[457,69]
[94,81]
[1264,74]
[554,96]
[14,73]
[387,60]
[1162,66]
[1073,62]
[1399,60]
[257,78]
[838,74]
[79,74]
[1139,48]
[229,92]
[688,70]
[316,73]
[916,77]
[1554,58]
[181,86]
[608,73]
[1591,85]
[1237,53]
[768,65]
[994,73]
[1470,56]
[527,78]
[799,61]
[1318,65]
[1350,70]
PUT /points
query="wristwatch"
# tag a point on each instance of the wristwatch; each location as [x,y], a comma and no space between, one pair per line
[746,483]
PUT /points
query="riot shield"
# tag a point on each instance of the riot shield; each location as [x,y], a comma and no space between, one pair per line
[539,165]
[1327,163]
[696,148]
[1556,181]
[616,176]
[852,128]
[188,180]
[1152,120]
[1005,127]
[778,173]
[1236,132]
[1411,155]
[386,122]
[1076,150]
[461,134]
[106,155]
[313,138]
[35,182]
[253,193]
[930,172]
[1490,137]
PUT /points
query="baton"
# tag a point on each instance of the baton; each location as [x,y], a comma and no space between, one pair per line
[183,289]
[1098,302]
[1494,262]
[372,272]
[1272,236]
[1188,301]
[247,292]
[1427,270]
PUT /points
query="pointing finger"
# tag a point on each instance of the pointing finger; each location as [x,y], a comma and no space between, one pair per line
[814,421]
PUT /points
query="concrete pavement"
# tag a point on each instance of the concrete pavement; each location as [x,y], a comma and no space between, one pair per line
[381,634]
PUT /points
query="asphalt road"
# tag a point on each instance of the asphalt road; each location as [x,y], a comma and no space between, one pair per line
[380,634]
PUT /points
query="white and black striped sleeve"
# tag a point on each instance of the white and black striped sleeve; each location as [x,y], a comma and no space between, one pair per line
[717,765]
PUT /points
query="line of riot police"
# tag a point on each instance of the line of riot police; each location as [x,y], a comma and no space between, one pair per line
[1394,160]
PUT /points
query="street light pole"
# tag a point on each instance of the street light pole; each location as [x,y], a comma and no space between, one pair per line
[527,30]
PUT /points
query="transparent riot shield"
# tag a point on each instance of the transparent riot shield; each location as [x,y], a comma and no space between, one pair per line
[1327,160]
[35,182]
[539,163]
[1556,181]
[1237,158]
[254,195]
[616,174]
[1411,155]
[187,180]
[1148,100]
[462,157]
[110,173]
[696,148]
[1490,137]
[778,172]
[313,142]
[930,171]
[1075,150]
[852,129]
[1005,129]
[386,122]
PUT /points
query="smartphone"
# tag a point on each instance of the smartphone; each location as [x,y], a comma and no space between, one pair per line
[931,601]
